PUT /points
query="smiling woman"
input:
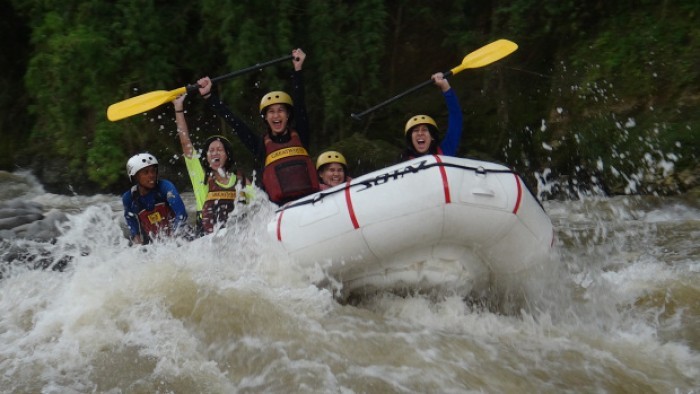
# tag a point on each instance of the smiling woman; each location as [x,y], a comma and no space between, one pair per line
[332,169]
[422,132]
[288,172]
[214,180]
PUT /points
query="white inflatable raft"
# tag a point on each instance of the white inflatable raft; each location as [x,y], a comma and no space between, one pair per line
[434,222]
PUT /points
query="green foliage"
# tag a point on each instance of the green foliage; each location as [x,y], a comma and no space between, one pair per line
[349,66]
[643,63]
[78,49]
[105,160]
[601,88]
[14,121]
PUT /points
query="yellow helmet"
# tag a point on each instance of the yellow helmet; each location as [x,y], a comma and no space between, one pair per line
[276,97]
[330,156]
[419,119]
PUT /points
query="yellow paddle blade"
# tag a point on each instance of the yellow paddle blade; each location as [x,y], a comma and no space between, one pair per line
[486,55]
[142,103]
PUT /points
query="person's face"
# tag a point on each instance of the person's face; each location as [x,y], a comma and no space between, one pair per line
[421,138]
[277,117]
[216,155]
[332,174]
[146,177]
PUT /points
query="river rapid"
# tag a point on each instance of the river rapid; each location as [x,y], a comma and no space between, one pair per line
[618,312]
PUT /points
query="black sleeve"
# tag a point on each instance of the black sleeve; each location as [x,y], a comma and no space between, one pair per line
[300,116]
[247,136]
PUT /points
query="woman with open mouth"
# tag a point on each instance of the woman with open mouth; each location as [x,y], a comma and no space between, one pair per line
[422,133]
[217,186]
[288,172]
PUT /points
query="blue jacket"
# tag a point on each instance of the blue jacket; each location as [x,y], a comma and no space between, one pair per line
[450,143]
[166,192]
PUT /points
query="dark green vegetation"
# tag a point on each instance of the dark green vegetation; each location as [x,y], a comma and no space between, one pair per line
[601,95]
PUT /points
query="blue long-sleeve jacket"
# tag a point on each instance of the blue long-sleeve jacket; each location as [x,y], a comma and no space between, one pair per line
[450,143]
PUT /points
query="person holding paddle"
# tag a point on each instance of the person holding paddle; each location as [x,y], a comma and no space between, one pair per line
[152,207]
[421,131]
[216,184]
[288,172]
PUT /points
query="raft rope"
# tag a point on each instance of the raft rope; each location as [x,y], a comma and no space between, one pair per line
[321,195]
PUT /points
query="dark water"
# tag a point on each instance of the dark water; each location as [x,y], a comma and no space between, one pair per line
[619,312]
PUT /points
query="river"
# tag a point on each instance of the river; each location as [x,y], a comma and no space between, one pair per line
[229,314]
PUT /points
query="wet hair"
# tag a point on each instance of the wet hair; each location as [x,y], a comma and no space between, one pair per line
[228,148]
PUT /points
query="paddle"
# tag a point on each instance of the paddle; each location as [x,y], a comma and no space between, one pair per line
[148,101]
[481,57]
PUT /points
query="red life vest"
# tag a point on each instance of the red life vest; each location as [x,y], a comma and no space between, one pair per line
[289,172]
[219,203]
[158,221]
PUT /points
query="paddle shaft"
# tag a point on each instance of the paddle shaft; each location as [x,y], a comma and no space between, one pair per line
[251,68]
[398,96]
[193,88]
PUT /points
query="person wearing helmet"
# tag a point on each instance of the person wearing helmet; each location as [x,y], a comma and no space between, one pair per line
[332,169]
[217,186]
[288,172]
[421,131]
[152,207]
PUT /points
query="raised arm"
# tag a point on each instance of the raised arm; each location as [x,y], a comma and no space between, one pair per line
[450,143]
[299,97]
[183,131]
[251,141]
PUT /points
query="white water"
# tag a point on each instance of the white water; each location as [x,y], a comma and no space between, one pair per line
[231,314]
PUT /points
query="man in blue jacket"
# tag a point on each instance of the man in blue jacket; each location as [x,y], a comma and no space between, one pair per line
[152,207]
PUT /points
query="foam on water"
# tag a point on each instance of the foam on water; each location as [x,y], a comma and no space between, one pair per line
[230,313]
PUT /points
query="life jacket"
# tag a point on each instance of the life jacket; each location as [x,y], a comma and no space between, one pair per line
[157,221]
[220,201]
[289,172]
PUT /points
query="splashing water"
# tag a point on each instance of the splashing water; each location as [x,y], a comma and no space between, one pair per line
[231,313]
[596,143]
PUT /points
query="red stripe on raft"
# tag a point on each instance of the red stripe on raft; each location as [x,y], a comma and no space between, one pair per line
[520,194]
[279,226]
[351,211]
[445,184]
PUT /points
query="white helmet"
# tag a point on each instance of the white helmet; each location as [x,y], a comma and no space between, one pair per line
[138,162]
